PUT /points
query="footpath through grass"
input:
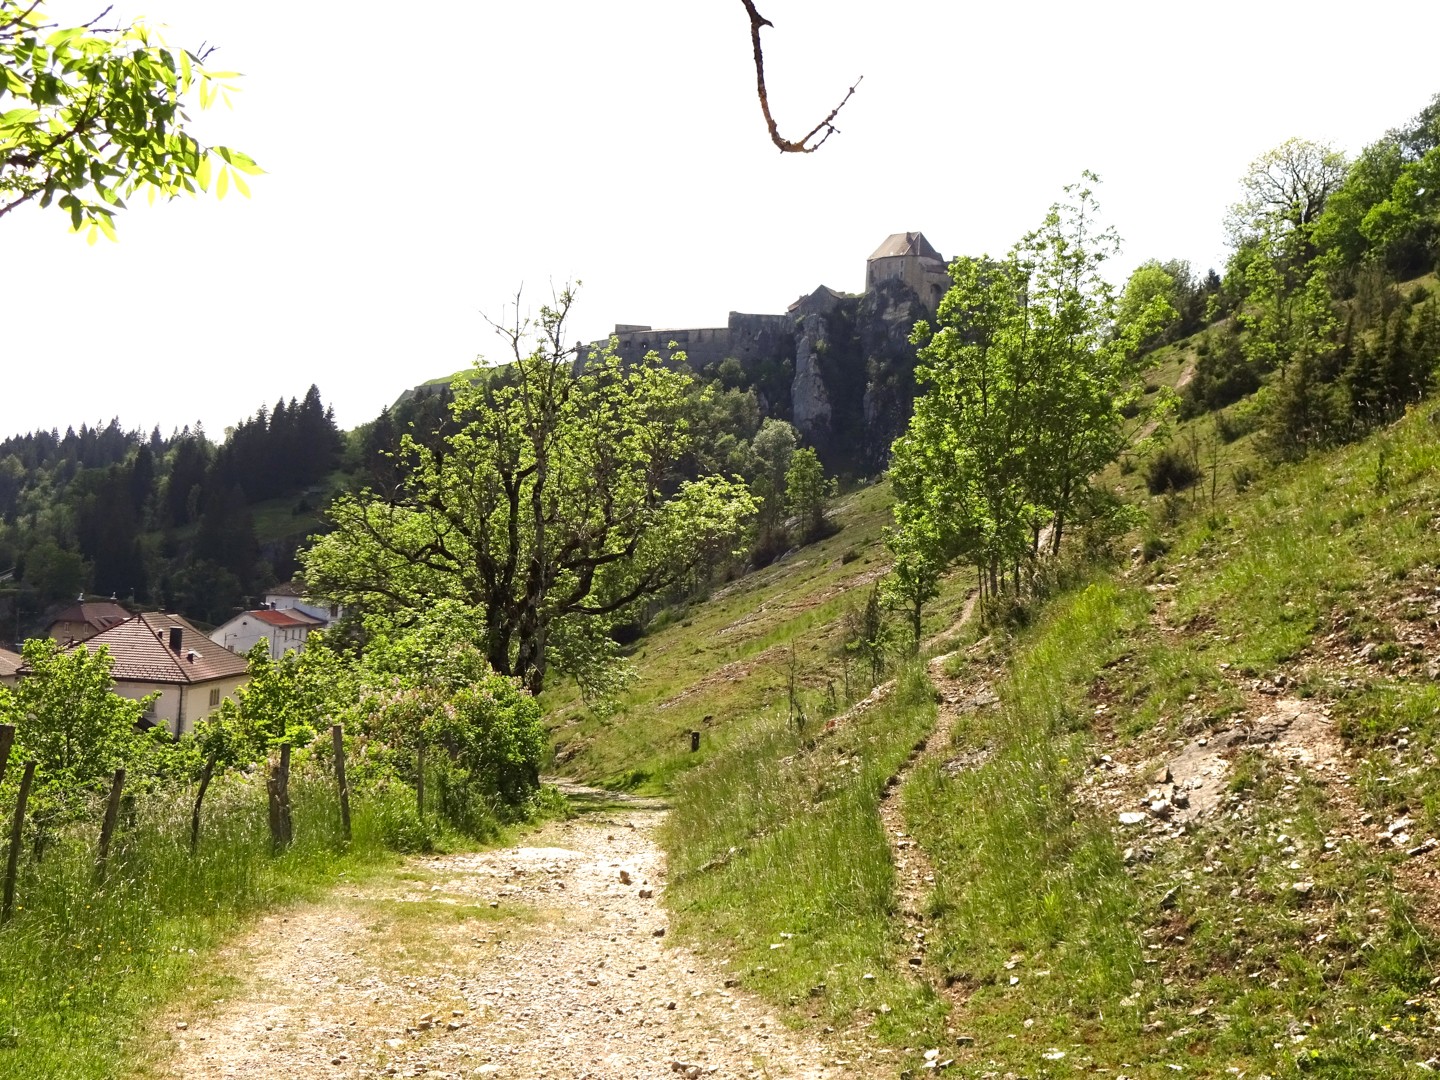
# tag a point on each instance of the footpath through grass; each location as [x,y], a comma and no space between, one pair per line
[1282,933]
[778,858]
[1277,936]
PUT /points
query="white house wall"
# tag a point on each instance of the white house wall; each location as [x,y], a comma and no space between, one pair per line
[179,705]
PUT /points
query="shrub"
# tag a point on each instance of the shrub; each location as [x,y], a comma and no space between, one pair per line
[1236,423]
[1222,377]
[1170,470]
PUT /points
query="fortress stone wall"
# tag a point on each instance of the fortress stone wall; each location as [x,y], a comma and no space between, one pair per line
[750,339]
[845,359]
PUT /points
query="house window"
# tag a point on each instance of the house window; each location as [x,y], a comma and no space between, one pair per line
[214,697]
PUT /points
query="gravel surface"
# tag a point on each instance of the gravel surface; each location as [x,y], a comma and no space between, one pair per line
[546,960]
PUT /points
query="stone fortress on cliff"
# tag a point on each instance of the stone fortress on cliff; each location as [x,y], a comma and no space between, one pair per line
[839,366]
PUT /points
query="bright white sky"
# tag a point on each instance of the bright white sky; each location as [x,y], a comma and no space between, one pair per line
[425,160]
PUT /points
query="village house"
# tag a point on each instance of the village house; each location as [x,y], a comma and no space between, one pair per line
[285,630]
[84,619]
[153,653]
[9,665]
[289,596]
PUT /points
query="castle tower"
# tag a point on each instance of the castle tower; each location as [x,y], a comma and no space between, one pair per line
[911,258]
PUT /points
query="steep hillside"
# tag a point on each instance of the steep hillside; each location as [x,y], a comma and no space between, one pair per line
[724,666]
[1185,821]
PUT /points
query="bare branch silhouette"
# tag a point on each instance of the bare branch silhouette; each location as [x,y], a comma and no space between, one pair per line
[803,145]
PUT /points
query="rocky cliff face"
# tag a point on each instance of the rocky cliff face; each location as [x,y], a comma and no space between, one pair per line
[854,380]
[840,368]
[809,397]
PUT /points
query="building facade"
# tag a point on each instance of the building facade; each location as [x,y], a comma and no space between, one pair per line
[285,630]
[153,653]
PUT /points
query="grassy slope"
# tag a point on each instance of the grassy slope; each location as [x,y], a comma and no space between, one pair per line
[1233,969]
[722,666]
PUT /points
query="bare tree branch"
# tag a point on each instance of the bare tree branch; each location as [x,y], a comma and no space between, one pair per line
[801,146]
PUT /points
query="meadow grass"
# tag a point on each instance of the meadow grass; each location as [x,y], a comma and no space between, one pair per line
[721,665]
[778,858]
[1203,956]
[83,964]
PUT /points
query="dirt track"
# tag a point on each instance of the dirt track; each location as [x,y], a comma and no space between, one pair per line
[543,960]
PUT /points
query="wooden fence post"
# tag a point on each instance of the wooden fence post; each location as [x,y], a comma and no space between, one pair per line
[272,790]
[420,781]
[337,733]
[287,827]
[17,829]
[7,740]
[107,828]
[205,778]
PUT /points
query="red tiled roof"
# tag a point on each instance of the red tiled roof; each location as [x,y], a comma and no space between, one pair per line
[9,663]
[140,652]
[101,615]
[286,619]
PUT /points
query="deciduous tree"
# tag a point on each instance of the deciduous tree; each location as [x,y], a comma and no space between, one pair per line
[1026,377]
[558,500]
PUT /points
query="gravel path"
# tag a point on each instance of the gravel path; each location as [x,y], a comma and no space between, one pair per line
[546,960]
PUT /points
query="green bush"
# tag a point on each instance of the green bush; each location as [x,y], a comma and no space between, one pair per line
[1222,376]
[1171,469]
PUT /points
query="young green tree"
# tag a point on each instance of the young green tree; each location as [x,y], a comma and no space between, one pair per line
[289,700]
[807,491]
[1148,281]
[1026,377]
[557,500]
[89,115]
[771,451]
[914,577]
[70,722]
[867,634]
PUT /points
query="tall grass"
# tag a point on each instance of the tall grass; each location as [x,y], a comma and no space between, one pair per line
[1019,865]
[82,962]
[781,835]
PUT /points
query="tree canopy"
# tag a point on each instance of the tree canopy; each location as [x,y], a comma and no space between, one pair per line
[89,115]
[1026,374]
[555,508]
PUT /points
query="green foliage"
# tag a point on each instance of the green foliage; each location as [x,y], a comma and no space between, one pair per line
[558,498]
[771,450]
[428,684]
[78,732]
[868,635]
[1027,377]
[1283,194]
[1170,469]
[1148,283]
[289,700]
[90,116]
[919,559]
[1223,373]
[85,969]
[807,491]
